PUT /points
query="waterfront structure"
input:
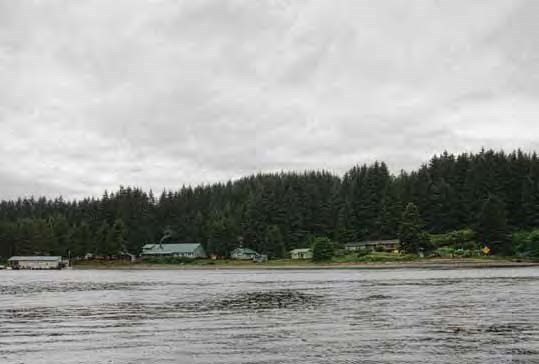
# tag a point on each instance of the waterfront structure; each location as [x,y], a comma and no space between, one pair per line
[301,253]
[373,245]
[193,250]
[36,262]
[243,254]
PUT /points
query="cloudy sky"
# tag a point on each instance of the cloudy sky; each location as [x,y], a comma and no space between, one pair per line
[156,94]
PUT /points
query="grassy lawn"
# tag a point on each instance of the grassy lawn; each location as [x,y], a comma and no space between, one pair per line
[375,257]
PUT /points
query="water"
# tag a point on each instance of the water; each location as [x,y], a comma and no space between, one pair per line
[262,316]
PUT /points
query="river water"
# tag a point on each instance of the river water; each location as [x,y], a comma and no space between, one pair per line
[270,316]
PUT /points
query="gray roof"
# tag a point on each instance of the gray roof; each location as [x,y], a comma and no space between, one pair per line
[238,251]
[170,248]
[35,258]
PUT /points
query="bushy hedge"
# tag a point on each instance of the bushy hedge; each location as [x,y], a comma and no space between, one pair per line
[457,238]
[323,249]
[526,243]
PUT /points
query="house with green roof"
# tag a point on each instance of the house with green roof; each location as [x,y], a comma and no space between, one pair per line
[193,250]
[243,254]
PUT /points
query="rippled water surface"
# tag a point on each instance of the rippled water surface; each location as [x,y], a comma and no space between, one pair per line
[263,316]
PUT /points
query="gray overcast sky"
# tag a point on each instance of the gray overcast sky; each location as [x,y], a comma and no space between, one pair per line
[94,94]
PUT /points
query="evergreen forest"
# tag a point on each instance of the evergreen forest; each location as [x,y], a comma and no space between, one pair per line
[491,192]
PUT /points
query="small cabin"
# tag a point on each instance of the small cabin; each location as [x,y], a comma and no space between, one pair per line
[301,254]
[36,262]
[243,254]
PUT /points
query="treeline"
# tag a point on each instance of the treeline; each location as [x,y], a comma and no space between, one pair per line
[273,213]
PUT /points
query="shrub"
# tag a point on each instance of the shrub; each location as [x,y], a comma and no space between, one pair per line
[457,238]
[526,243]
[362,253]
[460,252]
[340,252]
[445,251]
[470,245]
[323,249]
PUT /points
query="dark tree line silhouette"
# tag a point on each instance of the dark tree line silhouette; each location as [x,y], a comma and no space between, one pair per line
[273,213]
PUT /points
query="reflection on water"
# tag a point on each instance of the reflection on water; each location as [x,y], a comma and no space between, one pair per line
[352,316]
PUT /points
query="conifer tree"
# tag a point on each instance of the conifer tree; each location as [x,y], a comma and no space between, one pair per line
[492,228]
[273,243]
[412,237]
[323,249]
[117,241]
[344,233]
[81,237]
[390,213]
[102,238]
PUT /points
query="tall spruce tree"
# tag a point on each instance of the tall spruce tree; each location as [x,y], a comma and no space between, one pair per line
[412,237]
[323,249]
[81,237]
[273,243]
[102,238]
[492,228]
[118,235]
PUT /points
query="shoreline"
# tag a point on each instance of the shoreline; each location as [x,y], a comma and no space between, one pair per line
[424,264]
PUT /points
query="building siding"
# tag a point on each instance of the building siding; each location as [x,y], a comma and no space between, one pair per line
[174,250]
[35,262]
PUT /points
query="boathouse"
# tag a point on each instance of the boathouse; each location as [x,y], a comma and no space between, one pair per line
[35,262]
[193,250]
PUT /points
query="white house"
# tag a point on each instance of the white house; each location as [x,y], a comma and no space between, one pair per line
[301,254]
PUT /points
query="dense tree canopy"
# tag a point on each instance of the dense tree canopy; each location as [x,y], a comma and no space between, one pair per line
[274,213]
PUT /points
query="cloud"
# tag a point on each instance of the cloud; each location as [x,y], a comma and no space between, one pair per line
[163,93]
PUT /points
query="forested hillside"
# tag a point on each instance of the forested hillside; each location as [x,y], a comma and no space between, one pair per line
[276,212]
